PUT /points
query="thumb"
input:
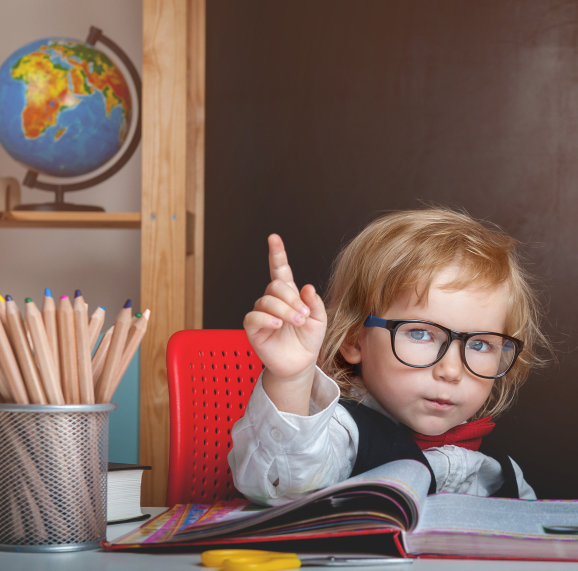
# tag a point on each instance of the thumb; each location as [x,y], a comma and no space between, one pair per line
[314,303]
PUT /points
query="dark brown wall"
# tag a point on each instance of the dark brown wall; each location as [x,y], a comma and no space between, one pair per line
[322,113]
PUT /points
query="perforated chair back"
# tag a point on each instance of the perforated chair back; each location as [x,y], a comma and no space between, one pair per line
[211,375]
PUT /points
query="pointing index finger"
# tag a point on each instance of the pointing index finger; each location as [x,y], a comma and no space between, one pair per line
[278,263]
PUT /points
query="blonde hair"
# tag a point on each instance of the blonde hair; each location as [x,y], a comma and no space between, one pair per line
[406,250]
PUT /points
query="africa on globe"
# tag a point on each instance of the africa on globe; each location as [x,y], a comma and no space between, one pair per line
[65,107]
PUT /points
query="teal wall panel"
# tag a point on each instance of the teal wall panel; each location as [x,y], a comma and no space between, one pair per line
[123,428]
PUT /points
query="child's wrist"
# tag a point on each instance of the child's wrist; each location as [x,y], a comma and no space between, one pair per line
[290,394]
[302,376]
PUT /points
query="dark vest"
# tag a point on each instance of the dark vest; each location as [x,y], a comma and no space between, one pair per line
[381,441]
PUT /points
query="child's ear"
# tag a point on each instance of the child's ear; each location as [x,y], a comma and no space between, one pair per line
[351,351]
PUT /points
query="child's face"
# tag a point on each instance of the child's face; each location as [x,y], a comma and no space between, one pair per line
[437,398]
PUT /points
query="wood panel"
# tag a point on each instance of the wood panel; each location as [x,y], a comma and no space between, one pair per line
[31,219]
[164,179]
[196,163]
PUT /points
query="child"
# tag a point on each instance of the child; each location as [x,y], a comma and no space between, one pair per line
[431,323]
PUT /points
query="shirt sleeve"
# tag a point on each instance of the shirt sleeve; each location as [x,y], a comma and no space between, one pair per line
[524,489]
[462,471]
[279,456]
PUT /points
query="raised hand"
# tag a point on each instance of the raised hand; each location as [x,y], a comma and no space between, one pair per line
[286,327]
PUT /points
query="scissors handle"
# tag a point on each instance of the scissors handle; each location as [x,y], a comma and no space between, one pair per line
[250,560]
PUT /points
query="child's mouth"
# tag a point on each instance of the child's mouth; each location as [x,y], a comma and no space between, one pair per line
[441,404]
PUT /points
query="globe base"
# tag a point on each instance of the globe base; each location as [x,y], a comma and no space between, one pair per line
[59,207]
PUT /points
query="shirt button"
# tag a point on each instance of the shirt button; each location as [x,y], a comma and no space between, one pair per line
[276,434]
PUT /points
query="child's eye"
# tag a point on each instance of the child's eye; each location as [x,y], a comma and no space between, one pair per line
[420,335]
[479,345]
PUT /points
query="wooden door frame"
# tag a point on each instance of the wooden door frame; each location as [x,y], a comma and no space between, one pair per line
[173,155]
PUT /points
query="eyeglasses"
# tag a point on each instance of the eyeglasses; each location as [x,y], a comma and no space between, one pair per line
[421,344]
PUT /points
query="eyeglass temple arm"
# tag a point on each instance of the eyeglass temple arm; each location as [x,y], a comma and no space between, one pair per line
[373,321]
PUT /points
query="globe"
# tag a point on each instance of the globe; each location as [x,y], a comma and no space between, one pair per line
[65,107]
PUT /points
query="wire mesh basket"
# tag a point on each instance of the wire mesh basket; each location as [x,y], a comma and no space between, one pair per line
[53,476]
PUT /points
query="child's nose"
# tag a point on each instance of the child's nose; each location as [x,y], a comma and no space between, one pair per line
[450,368]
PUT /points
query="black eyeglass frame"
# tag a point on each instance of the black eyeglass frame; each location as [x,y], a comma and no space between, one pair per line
[392,325]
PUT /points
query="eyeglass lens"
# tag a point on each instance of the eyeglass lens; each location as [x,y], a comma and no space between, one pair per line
[421,344]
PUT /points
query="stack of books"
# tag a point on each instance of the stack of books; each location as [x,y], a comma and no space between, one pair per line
[123,493]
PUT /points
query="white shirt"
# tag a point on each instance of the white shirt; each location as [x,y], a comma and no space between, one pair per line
[305,453]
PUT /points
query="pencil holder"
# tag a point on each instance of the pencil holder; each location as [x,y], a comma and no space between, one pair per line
[53,476]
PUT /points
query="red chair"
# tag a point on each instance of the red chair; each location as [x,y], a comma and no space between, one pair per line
[211,376]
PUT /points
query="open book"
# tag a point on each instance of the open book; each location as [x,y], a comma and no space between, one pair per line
[391,499]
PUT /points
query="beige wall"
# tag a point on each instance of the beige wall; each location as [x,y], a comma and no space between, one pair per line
[104,264]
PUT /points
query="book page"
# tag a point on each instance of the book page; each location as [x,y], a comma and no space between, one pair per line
[390,496]
[402,486]
[410,477]
[460,512]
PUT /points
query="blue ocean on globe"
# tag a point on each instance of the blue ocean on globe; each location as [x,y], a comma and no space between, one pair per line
[65,108]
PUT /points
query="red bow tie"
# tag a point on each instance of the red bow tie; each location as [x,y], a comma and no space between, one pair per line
[468,435]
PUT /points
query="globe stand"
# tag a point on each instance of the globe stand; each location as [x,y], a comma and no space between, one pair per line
[58,205]
[30,179]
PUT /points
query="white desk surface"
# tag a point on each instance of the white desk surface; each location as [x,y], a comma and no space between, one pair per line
[99,560]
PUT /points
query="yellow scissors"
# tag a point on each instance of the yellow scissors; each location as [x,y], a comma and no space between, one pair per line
[256,560]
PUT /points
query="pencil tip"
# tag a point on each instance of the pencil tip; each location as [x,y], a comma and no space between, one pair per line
[9,298]
[1,298]
[47,292]
[77,293]
[28,300]
[138,314]
[127,304]
[63,297]
[103,309]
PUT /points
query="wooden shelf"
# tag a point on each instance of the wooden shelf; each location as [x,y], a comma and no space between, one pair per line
[30,219]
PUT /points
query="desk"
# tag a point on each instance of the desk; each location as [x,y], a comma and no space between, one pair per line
[99,560]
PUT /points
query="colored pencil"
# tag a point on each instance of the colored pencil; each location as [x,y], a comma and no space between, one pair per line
[49,318]
[5,393]
[74,471]
[136,334]
[11,371]
[35,525]
[100,355]
[43,353]
[94,326]
[131,331]
[82,349]
[3,311]
[117,343]
[23,353]
[46,359]
[67,346]
[18,529]
[135,318]
[28,337]
[36,491]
